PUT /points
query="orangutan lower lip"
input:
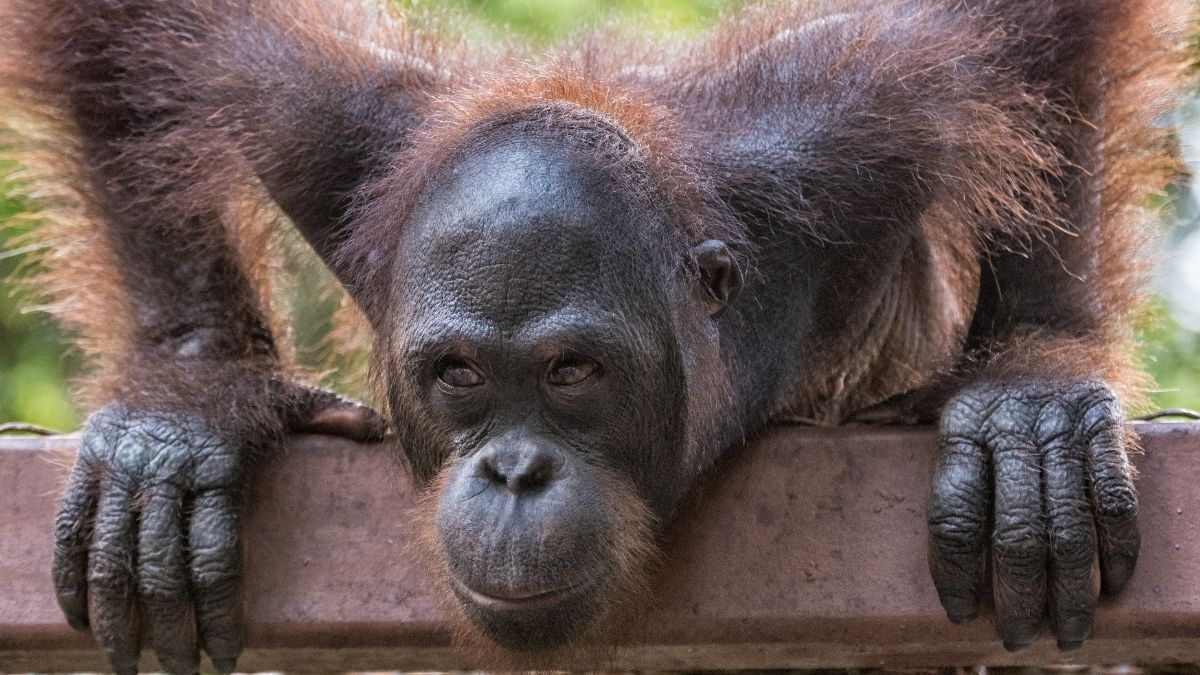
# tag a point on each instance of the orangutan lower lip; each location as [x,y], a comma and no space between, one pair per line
[540,600]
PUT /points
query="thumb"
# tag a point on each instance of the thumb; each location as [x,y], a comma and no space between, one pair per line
[312,410]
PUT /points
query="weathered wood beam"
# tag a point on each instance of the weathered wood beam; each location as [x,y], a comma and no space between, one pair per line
[806,550]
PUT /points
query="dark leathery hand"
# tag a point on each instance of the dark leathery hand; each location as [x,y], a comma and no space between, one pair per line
[1038,470]
[148,525]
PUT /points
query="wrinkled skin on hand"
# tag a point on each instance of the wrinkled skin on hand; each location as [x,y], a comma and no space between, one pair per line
[1041,468]
[149,525]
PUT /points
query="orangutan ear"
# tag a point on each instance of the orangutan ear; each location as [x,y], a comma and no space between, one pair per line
[719,273]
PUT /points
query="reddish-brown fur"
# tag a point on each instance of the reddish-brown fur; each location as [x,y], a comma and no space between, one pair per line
[1129,41]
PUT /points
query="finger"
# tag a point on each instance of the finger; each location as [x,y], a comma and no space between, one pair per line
[216,576]
[72,532]
[110,575]
[323,412]
[1018,543]
[164,582]
[958,513]
[1072,543]
[1115,504]
[355,422]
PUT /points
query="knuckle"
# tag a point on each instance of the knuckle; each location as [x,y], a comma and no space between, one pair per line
[1095,392]
[1097,416]
[1032,406]
[214,575]
[1112,469]
[991,412]
[966,413]
[218,468]
[953,537]
[1018,548]
[158,585]
[1073,544]
[1117,503]
[66,529]
[959,497]
[67,553]
[1053,426]
[219,621]
[111,417]
[104,427]
[953,522]
[108,574]
[159,447]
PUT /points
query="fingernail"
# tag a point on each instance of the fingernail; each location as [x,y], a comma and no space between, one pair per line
[224,665]
[959,619]
[1114,576]
[959,610]
[1017,634]
[1072,632]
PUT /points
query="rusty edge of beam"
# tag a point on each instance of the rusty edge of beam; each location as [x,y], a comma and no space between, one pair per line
[806,549]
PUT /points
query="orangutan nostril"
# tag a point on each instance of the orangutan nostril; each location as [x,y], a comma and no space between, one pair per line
[520,469]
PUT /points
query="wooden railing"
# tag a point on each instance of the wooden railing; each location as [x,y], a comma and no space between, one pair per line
[806,550]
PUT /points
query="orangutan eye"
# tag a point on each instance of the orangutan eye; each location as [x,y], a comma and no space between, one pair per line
[459,374]
[570,371]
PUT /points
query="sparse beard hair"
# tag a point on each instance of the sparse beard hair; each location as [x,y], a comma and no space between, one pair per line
[634,556]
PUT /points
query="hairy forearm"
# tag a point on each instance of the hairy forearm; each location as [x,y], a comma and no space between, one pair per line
[188,290]
[167,116]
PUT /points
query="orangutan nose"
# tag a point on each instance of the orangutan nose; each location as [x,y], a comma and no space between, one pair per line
[521,467]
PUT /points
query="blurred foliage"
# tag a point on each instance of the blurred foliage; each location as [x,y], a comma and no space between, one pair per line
[1170,339]
[545,21]
[1172,355]
[35,366]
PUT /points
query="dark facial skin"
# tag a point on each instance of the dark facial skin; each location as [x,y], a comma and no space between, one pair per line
[539,373]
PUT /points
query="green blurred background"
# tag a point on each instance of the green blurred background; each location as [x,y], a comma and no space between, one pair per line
[36,365]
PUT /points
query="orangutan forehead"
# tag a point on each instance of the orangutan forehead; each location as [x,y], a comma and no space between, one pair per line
[546,198]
